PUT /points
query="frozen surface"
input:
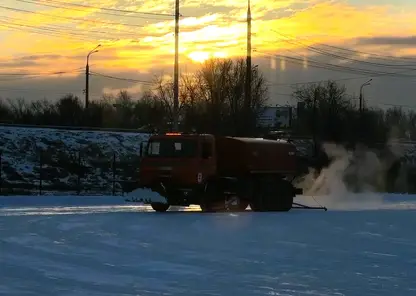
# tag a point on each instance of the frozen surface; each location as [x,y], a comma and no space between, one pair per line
[104,246]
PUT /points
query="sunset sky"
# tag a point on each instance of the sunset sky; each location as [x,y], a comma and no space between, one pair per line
[42,37]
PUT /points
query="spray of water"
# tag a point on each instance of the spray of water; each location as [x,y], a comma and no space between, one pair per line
[354,178]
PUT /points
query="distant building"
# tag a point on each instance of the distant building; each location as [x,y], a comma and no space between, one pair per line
[275,117]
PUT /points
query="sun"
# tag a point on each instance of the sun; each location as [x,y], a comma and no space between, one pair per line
[199,56]
[202,56]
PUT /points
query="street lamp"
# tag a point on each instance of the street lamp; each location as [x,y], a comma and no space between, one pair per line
[361,93]
[87,75]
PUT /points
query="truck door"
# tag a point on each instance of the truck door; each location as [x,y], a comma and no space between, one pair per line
[207,163]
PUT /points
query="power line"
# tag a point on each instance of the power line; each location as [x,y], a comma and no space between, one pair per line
[345,69]
[50,30]
[42,73]
[67,34]
[79,9]
[122,79]
[324,80]
[301,62]
[314,82]
[67,17]
[58,27]
[56,31]
[67,30]
[107,9]
[373,55]
[35,76]
[357,52]
[323,52]
[52,52]
[50,34]
[323,65]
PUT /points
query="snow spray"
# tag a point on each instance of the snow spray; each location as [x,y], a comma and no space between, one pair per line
[350,171]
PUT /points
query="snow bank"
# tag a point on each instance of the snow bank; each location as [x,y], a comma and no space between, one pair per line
[67,154]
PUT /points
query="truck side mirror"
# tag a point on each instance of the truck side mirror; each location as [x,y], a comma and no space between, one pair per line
[141,149]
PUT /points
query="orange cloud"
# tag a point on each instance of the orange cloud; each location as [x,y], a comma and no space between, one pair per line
[219,34]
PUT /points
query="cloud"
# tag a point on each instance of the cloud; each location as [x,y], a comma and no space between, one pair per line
[389,40]
[16,64]
[132,90]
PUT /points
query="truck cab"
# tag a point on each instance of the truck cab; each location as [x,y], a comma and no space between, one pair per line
[176,165]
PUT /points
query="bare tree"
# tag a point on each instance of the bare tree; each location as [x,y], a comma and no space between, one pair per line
[21,110]
[69,110]
[222,88]
[5,112]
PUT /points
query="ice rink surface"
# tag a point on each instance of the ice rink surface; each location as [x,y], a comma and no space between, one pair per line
[68,245]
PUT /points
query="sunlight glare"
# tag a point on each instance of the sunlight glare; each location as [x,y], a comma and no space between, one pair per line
[273,63]
[305,62]
[199,56]
[202,56]
[282,64]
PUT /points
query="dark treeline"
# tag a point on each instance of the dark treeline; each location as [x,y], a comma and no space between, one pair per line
[332,115]
[212,100]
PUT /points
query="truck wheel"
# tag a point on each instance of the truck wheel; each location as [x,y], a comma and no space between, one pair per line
[213,206]
[272,195]
[285,203]
[260,202]
[285,198]
[260,196]
[236,204]
[159,207]
[255,206]
[242,206]
[210,201]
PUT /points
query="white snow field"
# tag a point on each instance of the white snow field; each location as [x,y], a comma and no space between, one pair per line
[69,245]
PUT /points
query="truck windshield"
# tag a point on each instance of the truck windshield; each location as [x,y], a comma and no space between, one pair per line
[172,147]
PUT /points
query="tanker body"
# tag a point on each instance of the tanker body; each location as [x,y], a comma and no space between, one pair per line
[219,173]
[251,155]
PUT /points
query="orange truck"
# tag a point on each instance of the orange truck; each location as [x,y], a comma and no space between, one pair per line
[218,173]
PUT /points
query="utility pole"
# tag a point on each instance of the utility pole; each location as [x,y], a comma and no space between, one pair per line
[176,72]
[361,123]
[248,69]
[314,125]
[87,76]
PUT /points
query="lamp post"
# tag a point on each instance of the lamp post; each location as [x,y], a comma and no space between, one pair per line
[362,131]
[87,75]
[361,93]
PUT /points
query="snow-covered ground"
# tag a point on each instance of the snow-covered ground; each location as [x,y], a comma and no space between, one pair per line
[65,154]
[70,245]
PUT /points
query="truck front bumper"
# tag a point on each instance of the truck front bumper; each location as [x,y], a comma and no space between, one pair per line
[176,194]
